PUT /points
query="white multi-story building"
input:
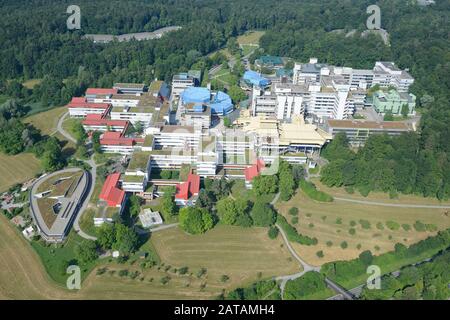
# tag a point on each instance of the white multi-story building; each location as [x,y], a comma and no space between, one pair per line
[181,82]
[384,74]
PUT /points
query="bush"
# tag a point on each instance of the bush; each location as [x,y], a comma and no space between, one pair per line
[420,226]
[292,234]
[380,226]
[224,278]
[392,225]
[364,224]
[273,232]
[352,223]
[344,245]
[293,211]
[338,220]
[294,220]
[310,190]
[352,231]
[406,227]
[183,270]
[329,243]
[320,254]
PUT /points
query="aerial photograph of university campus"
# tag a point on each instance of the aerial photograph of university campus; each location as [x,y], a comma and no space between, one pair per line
[225,150]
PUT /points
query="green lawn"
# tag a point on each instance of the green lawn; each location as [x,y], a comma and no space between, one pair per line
[245,255]
[55,257]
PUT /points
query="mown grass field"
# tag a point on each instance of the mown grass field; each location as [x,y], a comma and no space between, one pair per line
[46,121]
[31,83]
[333,222]
[239,253]
[17,169]
[250,38]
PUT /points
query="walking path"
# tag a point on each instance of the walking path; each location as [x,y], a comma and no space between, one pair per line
[93,177]
[384,204]
[64,132]
[76,224]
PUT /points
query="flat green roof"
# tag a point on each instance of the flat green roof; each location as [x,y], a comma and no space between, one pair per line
[133,179]
[139,160]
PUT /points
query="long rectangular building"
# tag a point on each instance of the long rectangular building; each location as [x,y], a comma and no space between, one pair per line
[358,131]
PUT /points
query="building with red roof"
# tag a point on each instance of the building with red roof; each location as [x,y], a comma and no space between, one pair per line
[111,193]
[98,122]
[188,191]
[92,92]
[253,171]
[116,142]
[80,108]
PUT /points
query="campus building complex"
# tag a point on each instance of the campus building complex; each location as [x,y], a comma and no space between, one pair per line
[320,91]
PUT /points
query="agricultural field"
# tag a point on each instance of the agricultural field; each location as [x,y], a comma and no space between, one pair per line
[244,255]
[17,169]
[360,226]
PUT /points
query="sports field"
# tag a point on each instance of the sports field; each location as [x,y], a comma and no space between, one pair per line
[361,226]
[17,169]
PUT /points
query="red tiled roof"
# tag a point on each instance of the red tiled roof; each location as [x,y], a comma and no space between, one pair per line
[182,191]
[194,183]
[254,170]
[78,100]
[110,192]
[189,188]
[100,91]
[83,104]
[111,138]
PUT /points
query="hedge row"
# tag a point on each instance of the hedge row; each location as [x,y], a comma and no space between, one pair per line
[292,234]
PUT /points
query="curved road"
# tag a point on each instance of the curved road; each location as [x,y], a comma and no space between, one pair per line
[93,177]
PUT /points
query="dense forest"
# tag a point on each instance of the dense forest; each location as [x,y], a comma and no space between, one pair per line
[35,44]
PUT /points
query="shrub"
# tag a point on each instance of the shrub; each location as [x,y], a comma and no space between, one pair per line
[329,243]
[292,234]
[294,220]
[273,232]
[352,231]
[420,226]
[364,224]
[392,225]
[344,244]
[224,278]
[123,273]
[310,190]
[320,254]
[339,221]
[183,270]
[311,225]
[352,223]
[406,227]
[293,211]
[380,226]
